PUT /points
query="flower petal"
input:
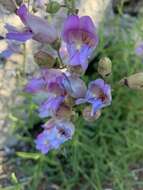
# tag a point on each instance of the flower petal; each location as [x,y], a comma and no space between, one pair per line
[22,12]
[97,105]
[86,24]
[49,107]
[19,36]
[71,24]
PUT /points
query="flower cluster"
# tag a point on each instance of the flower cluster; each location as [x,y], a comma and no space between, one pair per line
[58,91]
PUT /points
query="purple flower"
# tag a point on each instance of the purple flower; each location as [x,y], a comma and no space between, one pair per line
[48,91]
[74,86]
[55,133]
[35,85]
[35,28]
[98,94]
[80,36]
[50,80]
[50,106]
[139,49]
[13,47]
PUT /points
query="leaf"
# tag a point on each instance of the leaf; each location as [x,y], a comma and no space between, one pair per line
[14,178]
[27,155]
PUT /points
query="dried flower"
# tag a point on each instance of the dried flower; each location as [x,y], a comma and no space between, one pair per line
[87,114]
[105,67]
[44,59]
[134,81]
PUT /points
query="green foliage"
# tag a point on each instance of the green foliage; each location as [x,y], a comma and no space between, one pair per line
[102,154]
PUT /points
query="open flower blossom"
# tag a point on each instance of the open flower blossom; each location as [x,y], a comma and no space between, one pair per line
[98,94]
[139,49]
[55,133]
[50,80]
[79,34]
[48,91]
[35,28]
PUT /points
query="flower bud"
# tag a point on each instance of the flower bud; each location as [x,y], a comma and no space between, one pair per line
[69,100]
[64,111]
[43,59]
[77,70]
[105,67]
[134,81]
[57,44]
[53,7]
[88,116]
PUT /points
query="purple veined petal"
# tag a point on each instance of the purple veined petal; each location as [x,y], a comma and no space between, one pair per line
[10,28]
[85,53]
[35,85]
[79,56]
[49,107]
[71,23]
[42,142]
[53,79]
[80,101]
[87,24]
[6,53]
[75,60]
[65,130]
[74,86]
[72,50]
[52,137]
[43,31]
[97,105]
[22,12]
[99,83]
[19,36]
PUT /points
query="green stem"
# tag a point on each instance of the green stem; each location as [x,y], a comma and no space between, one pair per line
[60,59]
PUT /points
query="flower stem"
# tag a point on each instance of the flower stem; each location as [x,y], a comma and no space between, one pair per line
[60,59]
